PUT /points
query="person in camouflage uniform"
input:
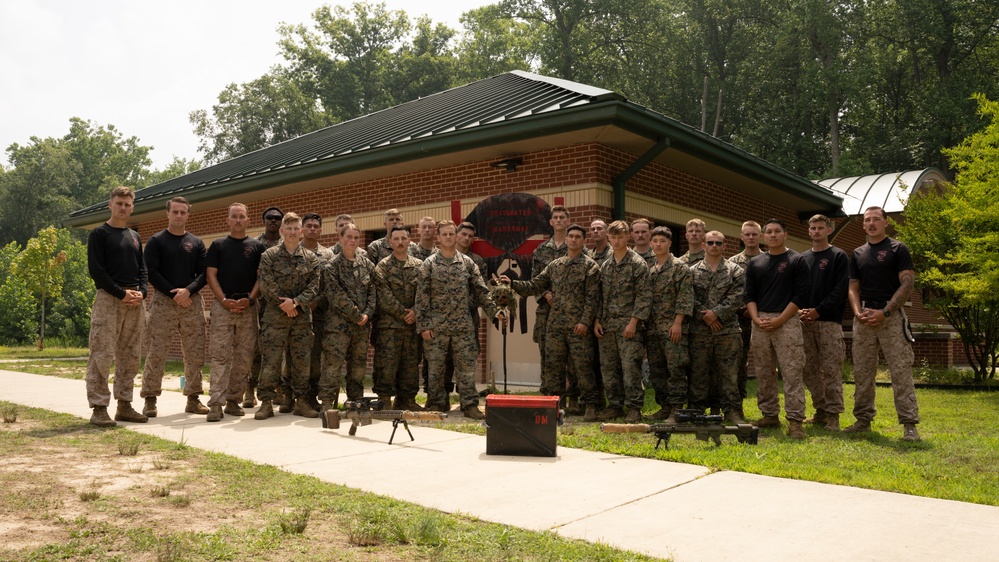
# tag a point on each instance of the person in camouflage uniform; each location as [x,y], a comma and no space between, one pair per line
[427,245]
[397,353]
[601,249]
[349,284]
[695,242]
[574,283]
[750,234]
[641,234]
[626,302]
[289,282]
[667,329]
[379,249]
[269,238]
[312,229]
[448,279]
[715,338]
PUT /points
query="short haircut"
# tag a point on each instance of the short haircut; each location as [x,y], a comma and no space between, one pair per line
[884,215]
[392,213]
[178,199]
[123,191]
[821,218]
[445,222]
[697,222]
[290,218]
[269,209]
[397,228]
[343,217]
[598,220]
[348,226]
[714,233]
[618,227]
[466,226]
[576,227]
[642,220]
[428,218]
[752,223]
[662,231]
[560,209]
[778,222]
[231,205]
[312,217]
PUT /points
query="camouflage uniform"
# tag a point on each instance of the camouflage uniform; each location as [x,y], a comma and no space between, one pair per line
[351,293]
[672,294]
[443,302]
[419,252]
[601,256]
[648,255]
[397,353]
[325,256]
[233,341]
[256,367]
[746,325]
[714,355]
[165,316]
[625,294]
[825,350]
[380,249]
[690,259]
[289,275]
[543,255]
[337,249]
[575,287]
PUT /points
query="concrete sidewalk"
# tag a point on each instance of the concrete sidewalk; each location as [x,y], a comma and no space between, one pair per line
[660,508]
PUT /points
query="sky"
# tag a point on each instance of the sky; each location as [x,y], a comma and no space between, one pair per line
[144,66]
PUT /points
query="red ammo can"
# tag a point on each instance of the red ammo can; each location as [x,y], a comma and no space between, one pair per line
[521,425]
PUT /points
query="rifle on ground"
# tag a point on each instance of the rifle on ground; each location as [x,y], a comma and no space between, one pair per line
[362,412]
[689,421]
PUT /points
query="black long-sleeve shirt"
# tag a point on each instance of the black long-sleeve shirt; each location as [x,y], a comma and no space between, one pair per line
[175,262]
[114,259]
[829,271]
[774,281]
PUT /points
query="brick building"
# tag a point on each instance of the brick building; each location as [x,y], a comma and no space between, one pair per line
[588,148]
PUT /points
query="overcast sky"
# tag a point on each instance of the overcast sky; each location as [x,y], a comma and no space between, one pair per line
[144,66]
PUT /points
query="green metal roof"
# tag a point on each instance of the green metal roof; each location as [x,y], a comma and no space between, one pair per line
[510,106]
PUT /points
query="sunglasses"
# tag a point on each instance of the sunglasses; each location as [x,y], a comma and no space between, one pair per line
[714,243]
[272,218]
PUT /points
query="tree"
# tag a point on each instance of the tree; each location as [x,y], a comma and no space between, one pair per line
[953,233]
[38,190]
[176,168]
[18,323]
[40,266]
[107,158]
[492,43]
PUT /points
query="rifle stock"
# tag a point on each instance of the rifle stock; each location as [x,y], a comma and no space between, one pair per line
[701,426]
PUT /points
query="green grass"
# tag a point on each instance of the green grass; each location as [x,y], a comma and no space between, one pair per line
[32,352]
[276,515]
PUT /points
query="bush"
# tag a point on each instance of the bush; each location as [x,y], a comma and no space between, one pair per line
[18,321]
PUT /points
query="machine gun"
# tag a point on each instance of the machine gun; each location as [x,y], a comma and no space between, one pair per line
[689,421]
[363,411]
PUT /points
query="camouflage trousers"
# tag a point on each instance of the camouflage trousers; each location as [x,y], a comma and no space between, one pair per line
[787,343]
[165,316]
[887,337]
[345,343]
[279,335]
[746,325]
[668,363]
[397,362]
[714,371]
[824,355]
[567,352]
[233,341]
[115,336]
[463,350]
[621,367]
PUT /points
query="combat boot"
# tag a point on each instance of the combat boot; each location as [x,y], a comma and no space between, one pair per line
[591,413]
[266,410]
[768,421]
[734,418]
[194,406]
[249,400]
[100,417]
[795,430]
[473,412]
[573,408]
[909,432]
[149,410]
[858,426]
[289,403]
[232,408]
[312,402]
[634,416]
[384,401]
[611,413]
[326,406]
[671,418]
[832,422]
[126,413]
[303,409]
[215,413]
[662,414]
[818,419]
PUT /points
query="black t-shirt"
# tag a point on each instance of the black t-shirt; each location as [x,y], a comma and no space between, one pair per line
[773,281]
[237,261]
[114,258]
[829,273]
[877,266]
[175,262]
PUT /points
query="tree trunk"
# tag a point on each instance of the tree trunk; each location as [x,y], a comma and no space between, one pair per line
[41,337]
[704,106]
[718,114]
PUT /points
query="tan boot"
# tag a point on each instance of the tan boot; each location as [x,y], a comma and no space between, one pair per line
[215,413]
[249,400]
[232,408]
[795,430]
[149,410]
[126,413]
[832,422]
[611,413]
[288,405]
[818,419]
[634,416]
[384,402]
[909,432]
[662,414]
[858,426]
[591,413]
[734,418]
[573,408]
[303,409]
[100,417]
[473,412]
[266,410]
[194,406]
[768,421]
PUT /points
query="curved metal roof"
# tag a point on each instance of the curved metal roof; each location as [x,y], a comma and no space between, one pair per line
[889,191]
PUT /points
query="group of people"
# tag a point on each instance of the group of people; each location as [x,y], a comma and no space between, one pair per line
[291,320]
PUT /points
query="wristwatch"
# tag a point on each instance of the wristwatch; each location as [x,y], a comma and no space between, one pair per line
[886,312]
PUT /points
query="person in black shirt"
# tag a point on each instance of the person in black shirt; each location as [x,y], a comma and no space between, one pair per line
[114,258]
[231,274]
[776,287]
[881,278]
[175,260]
